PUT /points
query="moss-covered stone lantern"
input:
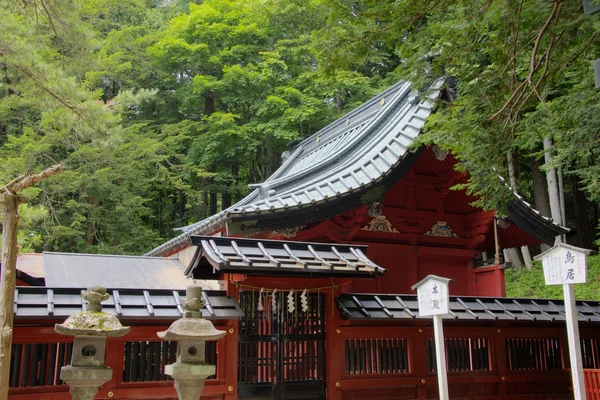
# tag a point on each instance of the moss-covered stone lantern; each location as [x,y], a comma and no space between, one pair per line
[191,332]
[87,371]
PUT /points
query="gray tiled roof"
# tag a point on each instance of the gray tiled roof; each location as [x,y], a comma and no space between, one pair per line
[77,270]
[127,304]
[349,154]
[405,307]
[277,257]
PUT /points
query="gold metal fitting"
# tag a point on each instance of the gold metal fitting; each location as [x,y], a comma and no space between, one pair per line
[231,330]
[337,384]
[110,394]
[423,381]
[499,330]
[339,330]
[420,330]
[503,378]
[230,388]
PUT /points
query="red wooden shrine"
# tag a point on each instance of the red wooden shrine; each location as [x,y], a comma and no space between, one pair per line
[356,182]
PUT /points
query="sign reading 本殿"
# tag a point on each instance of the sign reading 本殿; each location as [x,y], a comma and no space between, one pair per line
[433,296]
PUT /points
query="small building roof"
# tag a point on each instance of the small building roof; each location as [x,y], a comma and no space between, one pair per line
[278,257]
[127,304]
[74,270]
[394,307]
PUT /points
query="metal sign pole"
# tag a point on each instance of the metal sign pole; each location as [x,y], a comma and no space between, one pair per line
[440,356]
[574,347]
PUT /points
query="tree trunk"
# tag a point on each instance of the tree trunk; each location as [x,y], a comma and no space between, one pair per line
[584,239]
[540,193]
[209,103]
[553,192]
[226,199]
[339,103]
[513,183]
[235,171]
[213,203]
[10,205]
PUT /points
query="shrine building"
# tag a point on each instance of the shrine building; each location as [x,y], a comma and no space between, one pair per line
[313,273]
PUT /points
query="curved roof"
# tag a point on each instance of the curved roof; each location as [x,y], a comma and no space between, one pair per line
[357,157]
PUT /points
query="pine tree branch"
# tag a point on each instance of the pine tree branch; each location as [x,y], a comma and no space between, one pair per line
[24,181]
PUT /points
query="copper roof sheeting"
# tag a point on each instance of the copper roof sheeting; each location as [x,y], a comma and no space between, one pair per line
[126,304]
[405,307]
[350,154]
[277,257]
[328,172]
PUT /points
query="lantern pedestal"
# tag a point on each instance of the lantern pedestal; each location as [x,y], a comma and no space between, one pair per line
[85,381]
[191,333]
[189,378]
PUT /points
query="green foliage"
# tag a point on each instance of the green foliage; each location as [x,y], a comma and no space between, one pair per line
[524,71]
[153,106]
[165,111]
[524,283]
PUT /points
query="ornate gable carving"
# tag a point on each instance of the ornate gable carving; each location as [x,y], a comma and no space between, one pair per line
[441,229]
[380,224]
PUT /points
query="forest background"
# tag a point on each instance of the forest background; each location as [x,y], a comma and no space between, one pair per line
[164,111]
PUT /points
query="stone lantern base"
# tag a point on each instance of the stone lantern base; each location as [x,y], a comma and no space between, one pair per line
[189,378]
[85,381]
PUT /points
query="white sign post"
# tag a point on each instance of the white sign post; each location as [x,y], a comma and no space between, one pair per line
[434,299]
[565,265]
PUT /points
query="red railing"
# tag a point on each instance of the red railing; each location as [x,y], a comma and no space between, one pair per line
[483,362]
[592,383]
[137,361]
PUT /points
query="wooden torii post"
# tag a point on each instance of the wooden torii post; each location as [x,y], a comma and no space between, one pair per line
[10,201]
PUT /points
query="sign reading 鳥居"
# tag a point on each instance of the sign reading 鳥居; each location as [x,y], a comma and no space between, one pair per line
[564,264]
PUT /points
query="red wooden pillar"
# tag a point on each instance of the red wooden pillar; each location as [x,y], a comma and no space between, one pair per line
[230,358]
[114,360]
[498,358]
[333,341]
[419,359]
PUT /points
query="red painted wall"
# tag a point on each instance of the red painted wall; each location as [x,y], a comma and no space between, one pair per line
[407,243]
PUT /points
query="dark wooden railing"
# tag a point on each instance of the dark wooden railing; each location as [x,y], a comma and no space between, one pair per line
[38,364]
[373,356]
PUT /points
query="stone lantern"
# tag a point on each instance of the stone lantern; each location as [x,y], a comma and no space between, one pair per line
[191,332]
[87,371]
